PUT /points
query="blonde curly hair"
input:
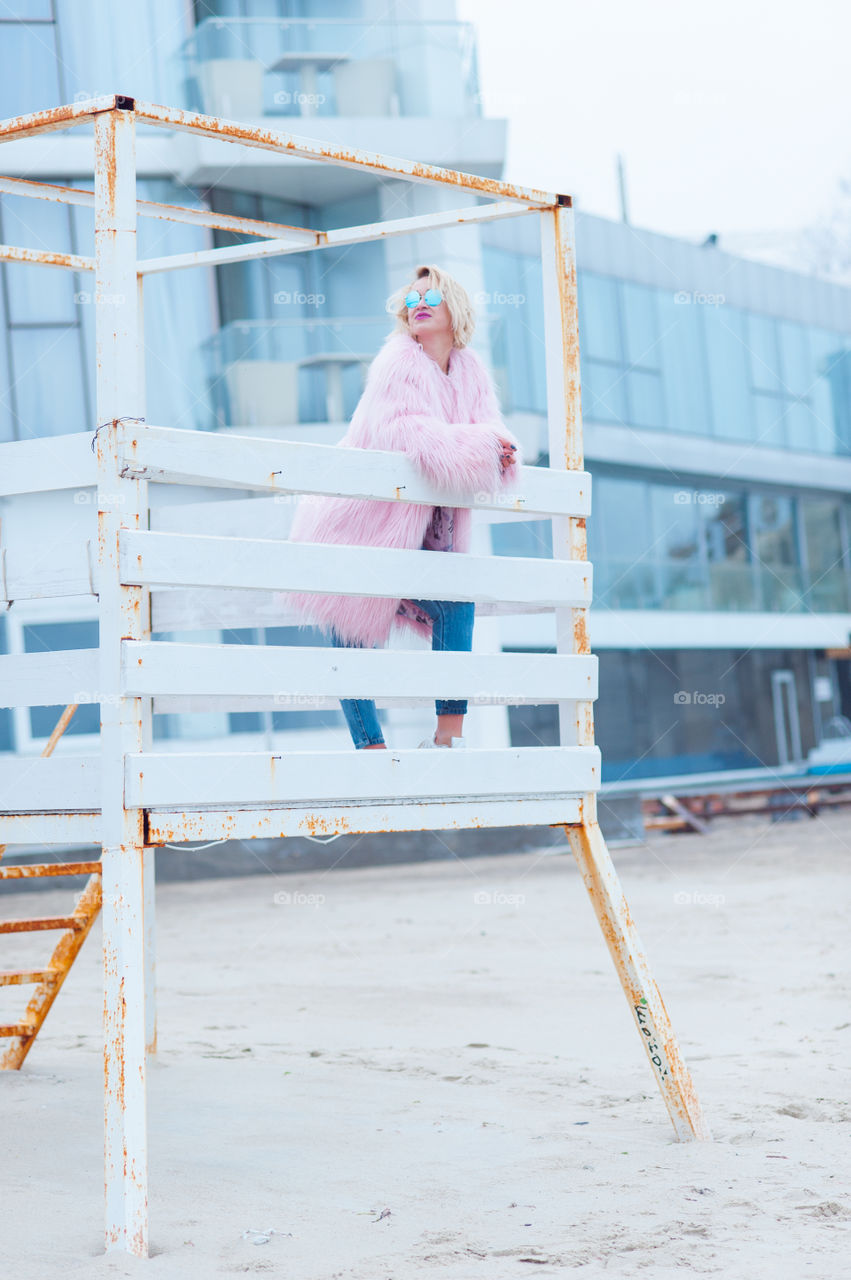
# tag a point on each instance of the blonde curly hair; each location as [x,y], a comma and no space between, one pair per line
[457,300]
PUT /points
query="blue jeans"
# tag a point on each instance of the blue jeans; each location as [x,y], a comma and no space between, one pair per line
[453,629]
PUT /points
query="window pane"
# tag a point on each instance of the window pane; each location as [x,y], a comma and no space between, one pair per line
[802,427]
[39,294]
[761,337]
[624,572]
[641,325]
[776,548]
[770,417]
[683,364]
[48,382]
[30,70]
[621,517]
[674,522]
[795,364]
[831,375]
[826,557]
[27,9]
[53,636]
[646,404]
[523,538]
[598,311]
[603,392]
[773,534]
[729,387]
[732,580]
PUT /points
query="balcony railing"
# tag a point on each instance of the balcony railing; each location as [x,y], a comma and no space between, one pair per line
[246,68]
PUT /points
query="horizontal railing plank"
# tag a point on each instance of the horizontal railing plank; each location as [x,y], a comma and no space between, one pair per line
[40,828]
[292,675]
[171,559]
[168,454]
[47,463]
[29,784]
[54,678]
[174,826]
[62,568]
[188,779]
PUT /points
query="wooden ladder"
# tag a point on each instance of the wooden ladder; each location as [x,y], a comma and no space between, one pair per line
[75,929]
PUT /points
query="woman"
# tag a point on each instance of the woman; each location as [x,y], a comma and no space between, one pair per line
[429,396]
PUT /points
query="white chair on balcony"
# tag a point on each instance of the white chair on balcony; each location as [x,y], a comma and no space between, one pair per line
[232,88]
[366,87]
[263,393]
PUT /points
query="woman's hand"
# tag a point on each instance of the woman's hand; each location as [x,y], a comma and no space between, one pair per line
[508,450]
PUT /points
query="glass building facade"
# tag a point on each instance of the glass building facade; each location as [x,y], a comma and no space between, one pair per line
[741,369]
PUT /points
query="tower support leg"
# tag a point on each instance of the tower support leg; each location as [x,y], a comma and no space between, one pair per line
[648,1008]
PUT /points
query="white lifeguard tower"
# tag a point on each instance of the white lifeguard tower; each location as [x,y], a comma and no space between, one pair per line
[129,798]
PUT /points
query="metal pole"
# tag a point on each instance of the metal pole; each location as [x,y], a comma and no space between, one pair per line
[121,501]
[577,725]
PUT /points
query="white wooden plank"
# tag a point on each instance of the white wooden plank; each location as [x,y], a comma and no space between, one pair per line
[167,454]
[292,674]
[32,784]
[176,825]
[46,572]
[394,776]
[57,677]
[50,828]
[170,559]
[49,462]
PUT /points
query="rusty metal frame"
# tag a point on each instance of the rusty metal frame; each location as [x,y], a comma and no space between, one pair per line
[127,869]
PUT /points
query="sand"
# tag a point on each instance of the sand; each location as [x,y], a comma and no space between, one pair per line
[432,1071]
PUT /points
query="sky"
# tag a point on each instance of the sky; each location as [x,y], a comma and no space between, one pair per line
[731,117]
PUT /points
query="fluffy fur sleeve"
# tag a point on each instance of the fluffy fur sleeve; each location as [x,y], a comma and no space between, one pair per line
[393,414]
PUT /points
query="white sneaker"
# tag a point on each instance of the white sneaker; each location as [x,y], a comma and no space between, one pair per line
[456,742]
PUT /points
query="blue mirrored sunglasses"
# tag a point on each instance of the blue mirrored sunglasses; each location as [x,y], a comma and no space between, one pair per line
[431,297]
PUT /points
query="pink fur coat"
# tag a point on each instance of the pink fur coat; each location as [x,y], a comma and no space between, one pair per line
[449,426]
